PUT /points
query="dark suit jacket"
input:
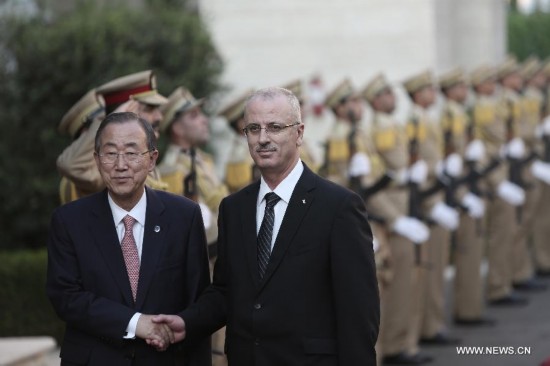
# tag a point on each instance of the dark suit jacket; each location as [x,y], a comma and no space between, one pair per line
[318,301]
[89,288]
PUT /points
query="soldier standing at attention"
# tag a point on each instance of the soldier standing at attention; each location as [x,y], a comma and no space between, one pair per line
[460,137]
[395,263]
[519,152]
[541,81]
[76,164]
[239,169]
[504,196]
[306,153]
[189,171]
[428,321]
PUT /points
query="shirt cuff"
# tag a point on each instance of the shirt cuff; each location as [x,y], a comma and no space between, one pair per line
[131,328]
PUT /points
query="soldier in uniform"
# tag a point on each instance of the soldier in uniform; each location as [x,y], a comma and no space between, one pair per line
[239,169]
[76,163]
[520,152]
[542,224]
[532,72]
[428,322]
[395,262]
[318,119]
[468,240]
[306,153]
[137,93]
[503,195]
[189,171]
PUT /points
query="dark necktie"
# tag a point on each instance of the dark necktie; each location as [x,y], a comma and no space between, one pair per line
[130,253]
[266,232]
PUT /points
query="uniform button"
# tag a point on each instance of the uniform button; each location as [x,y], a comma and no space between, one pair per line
[257,306]
[257,341]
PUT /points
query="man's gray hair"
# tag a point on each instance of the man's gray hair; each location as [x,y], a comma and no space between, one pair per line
[272,93]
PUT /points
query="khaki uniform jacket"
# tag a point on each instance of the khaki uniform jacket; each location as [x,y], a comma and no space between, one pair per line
[488,119]
[239,169]
[176,165]
[430,143]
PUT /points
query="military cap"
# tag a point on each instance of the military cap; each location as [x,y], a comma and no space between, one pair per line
[87,108]
[141,86]
[418,81]
[234,110]
[296,88]
[179,101]
[342,91]
[452,78]
[509,66]
[375,86]
[530,67]
[482,74]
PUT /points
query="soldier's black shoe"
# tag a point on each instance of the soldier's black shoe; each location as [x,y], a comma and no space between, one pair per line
[440,339]
[530,285]
[509,300]
[545,273]
[475,322]
[403,358]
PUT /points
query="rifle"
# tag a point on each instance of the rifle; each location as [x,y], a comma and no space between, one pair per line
[190,189]
[414,192]
[451,183]
[473,174]
[515,164]
[355,182]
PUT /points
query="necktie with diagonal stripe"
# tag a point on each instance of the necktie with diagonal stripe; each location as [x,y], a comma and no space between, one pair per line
[130,253]
[266,232]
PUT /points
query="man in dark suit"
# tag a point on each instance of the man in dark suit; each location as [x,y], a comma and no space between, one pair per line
[119,256]
[308,297]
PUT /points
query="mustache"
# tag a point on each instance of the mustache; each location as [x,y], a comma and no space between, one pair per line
[265,148]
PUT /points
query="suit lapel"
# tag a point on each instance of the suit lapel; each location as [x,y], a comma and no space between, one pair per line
[103,230]
[300,202]
[248,218]
[154,244]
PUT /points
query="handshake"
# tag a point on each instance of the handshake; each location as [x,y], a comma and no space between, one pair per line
[160,331]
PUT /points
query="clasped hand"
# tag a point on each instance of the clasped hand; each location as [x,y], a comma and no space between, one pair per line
[160,331]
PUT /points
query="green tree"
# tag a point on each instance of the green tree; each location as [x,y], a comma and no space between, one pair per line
[528,34]
[46,65]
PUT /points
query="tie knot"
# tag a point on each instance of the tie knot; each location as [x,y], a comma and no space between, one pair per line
[271,199]
[128,222]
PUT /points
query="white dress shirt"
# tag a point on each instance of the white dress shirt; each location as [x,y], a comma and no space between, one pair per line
[283,190]
[138,213]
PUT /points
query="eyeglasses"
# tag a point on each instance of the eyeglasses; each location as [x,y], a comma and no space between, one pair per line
[129,157]
[271,129]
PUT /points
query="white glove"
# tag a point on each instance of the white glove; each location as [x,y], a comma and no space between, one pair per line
[206,215]
[474,204]
[445,216]
[541,171]
[418,172]
[412,229]
[515,148]
[546,126]
[399,176]
[475,151]
[511,193]
[359,165]
[375,244]
[453,165]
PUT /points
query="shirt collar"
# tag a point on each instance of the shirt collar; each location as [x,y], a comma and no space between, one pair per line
[286,187]
[137,212]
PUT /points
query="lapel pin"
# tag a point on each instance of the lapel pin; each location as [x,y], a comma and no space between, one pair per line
[304,202]
[157,229]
